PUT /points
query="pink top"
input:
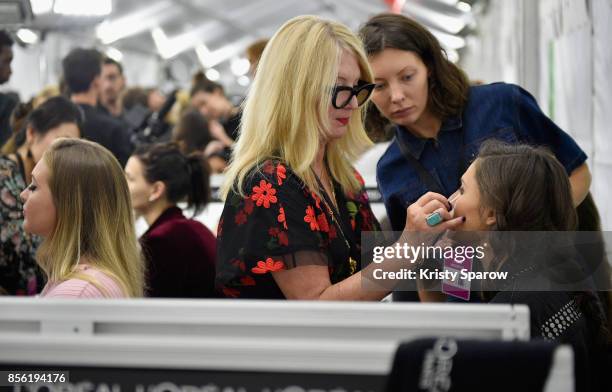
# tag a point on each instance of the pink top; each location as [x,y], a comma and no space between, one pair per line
[77,288]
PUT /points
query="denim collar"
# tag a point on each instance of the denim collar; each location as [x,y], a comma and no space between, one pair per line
[415,144]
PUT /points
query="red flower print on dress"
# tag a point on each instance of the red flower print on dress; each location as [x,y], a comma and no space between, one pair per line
[281,217]
[281,236]
[311,218]
[230,293]
[239,264]
[264,194]
[332,232]
[240,218]
[247,281]
[317,200]
[283,239]
[322,222]
[249,206]
[269,265]
[359,178]
[366,219]
[281,173]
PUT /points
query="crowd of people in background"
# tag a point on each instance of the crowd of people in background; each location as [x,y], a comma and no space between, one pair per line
[81,160]
[167,145]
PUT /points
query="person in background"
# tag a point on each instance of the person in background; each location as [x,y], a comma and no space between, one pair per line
[21,111]
[132,97]
[224,118]
[155,99]
[149,98]
[440,120]
[19,117]
[82,72]
[180,252]
[192,134]
[7,102]
[57,117]
[46,93]
[112,84]
[79,202]
[63,87]
[253,54]
[181,105]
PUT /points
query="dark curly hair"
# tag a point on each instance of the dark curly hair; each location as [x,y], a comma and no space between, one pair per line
[185,177]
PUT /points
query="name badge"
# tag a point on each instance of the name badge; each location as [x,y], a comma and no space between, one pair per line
[457,286]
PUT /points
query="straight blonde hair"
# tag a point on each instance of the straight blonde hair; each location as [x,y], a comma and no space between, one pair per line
[94,217]
[285,115]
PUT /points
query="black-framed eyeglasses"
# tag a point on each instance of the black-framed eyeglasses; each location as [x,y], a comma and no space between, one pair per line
[342,95]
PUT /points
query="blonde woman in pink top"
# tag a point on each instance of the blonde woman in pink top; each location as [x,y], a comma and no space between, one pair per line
[79,203]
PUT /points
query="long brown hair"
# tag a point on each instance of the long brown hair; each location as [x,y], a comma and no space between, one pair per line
[527,187]
[448,84]
[594,254]
[94,217]
[192,133]
[529,190]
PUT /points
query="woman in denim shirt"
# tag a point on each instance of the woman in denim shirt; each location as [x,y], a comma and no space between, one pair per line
[440,120]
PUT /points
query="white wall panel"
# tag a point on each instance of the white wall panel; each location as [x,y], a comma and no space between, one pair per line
[572,67]
[602,107]
[493,55]
[26,79]
[573,81]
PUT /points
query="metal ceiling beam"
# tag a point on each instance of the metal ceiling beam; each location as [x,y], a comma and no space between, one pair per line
[254,12]
[136,22]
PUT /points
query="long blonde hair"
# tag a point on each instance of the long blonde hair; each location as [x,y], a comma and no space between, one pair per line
[94,217]
[285,115]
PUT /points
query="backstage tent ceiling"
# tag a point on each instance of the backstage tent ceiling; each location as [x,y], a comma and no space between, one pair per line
[214,33]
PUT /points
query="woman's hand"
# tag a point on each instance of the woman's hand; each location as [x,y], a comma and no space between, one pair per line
[418,212]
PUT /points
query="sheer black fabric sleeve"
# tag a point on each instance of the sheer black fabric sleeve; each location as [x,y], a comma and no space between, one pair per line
[276,218]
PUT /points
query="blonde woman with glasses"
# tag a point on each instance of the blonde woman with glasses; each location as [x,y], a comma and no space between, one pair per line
[79,203]
[295,208]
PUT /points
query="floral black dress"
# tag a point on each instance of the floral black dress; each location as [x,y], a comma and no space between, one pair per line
[19,272]
[280,219]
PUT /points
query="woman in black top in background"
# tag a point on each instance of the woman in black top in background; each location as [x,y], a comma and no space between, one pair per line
[57,117]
